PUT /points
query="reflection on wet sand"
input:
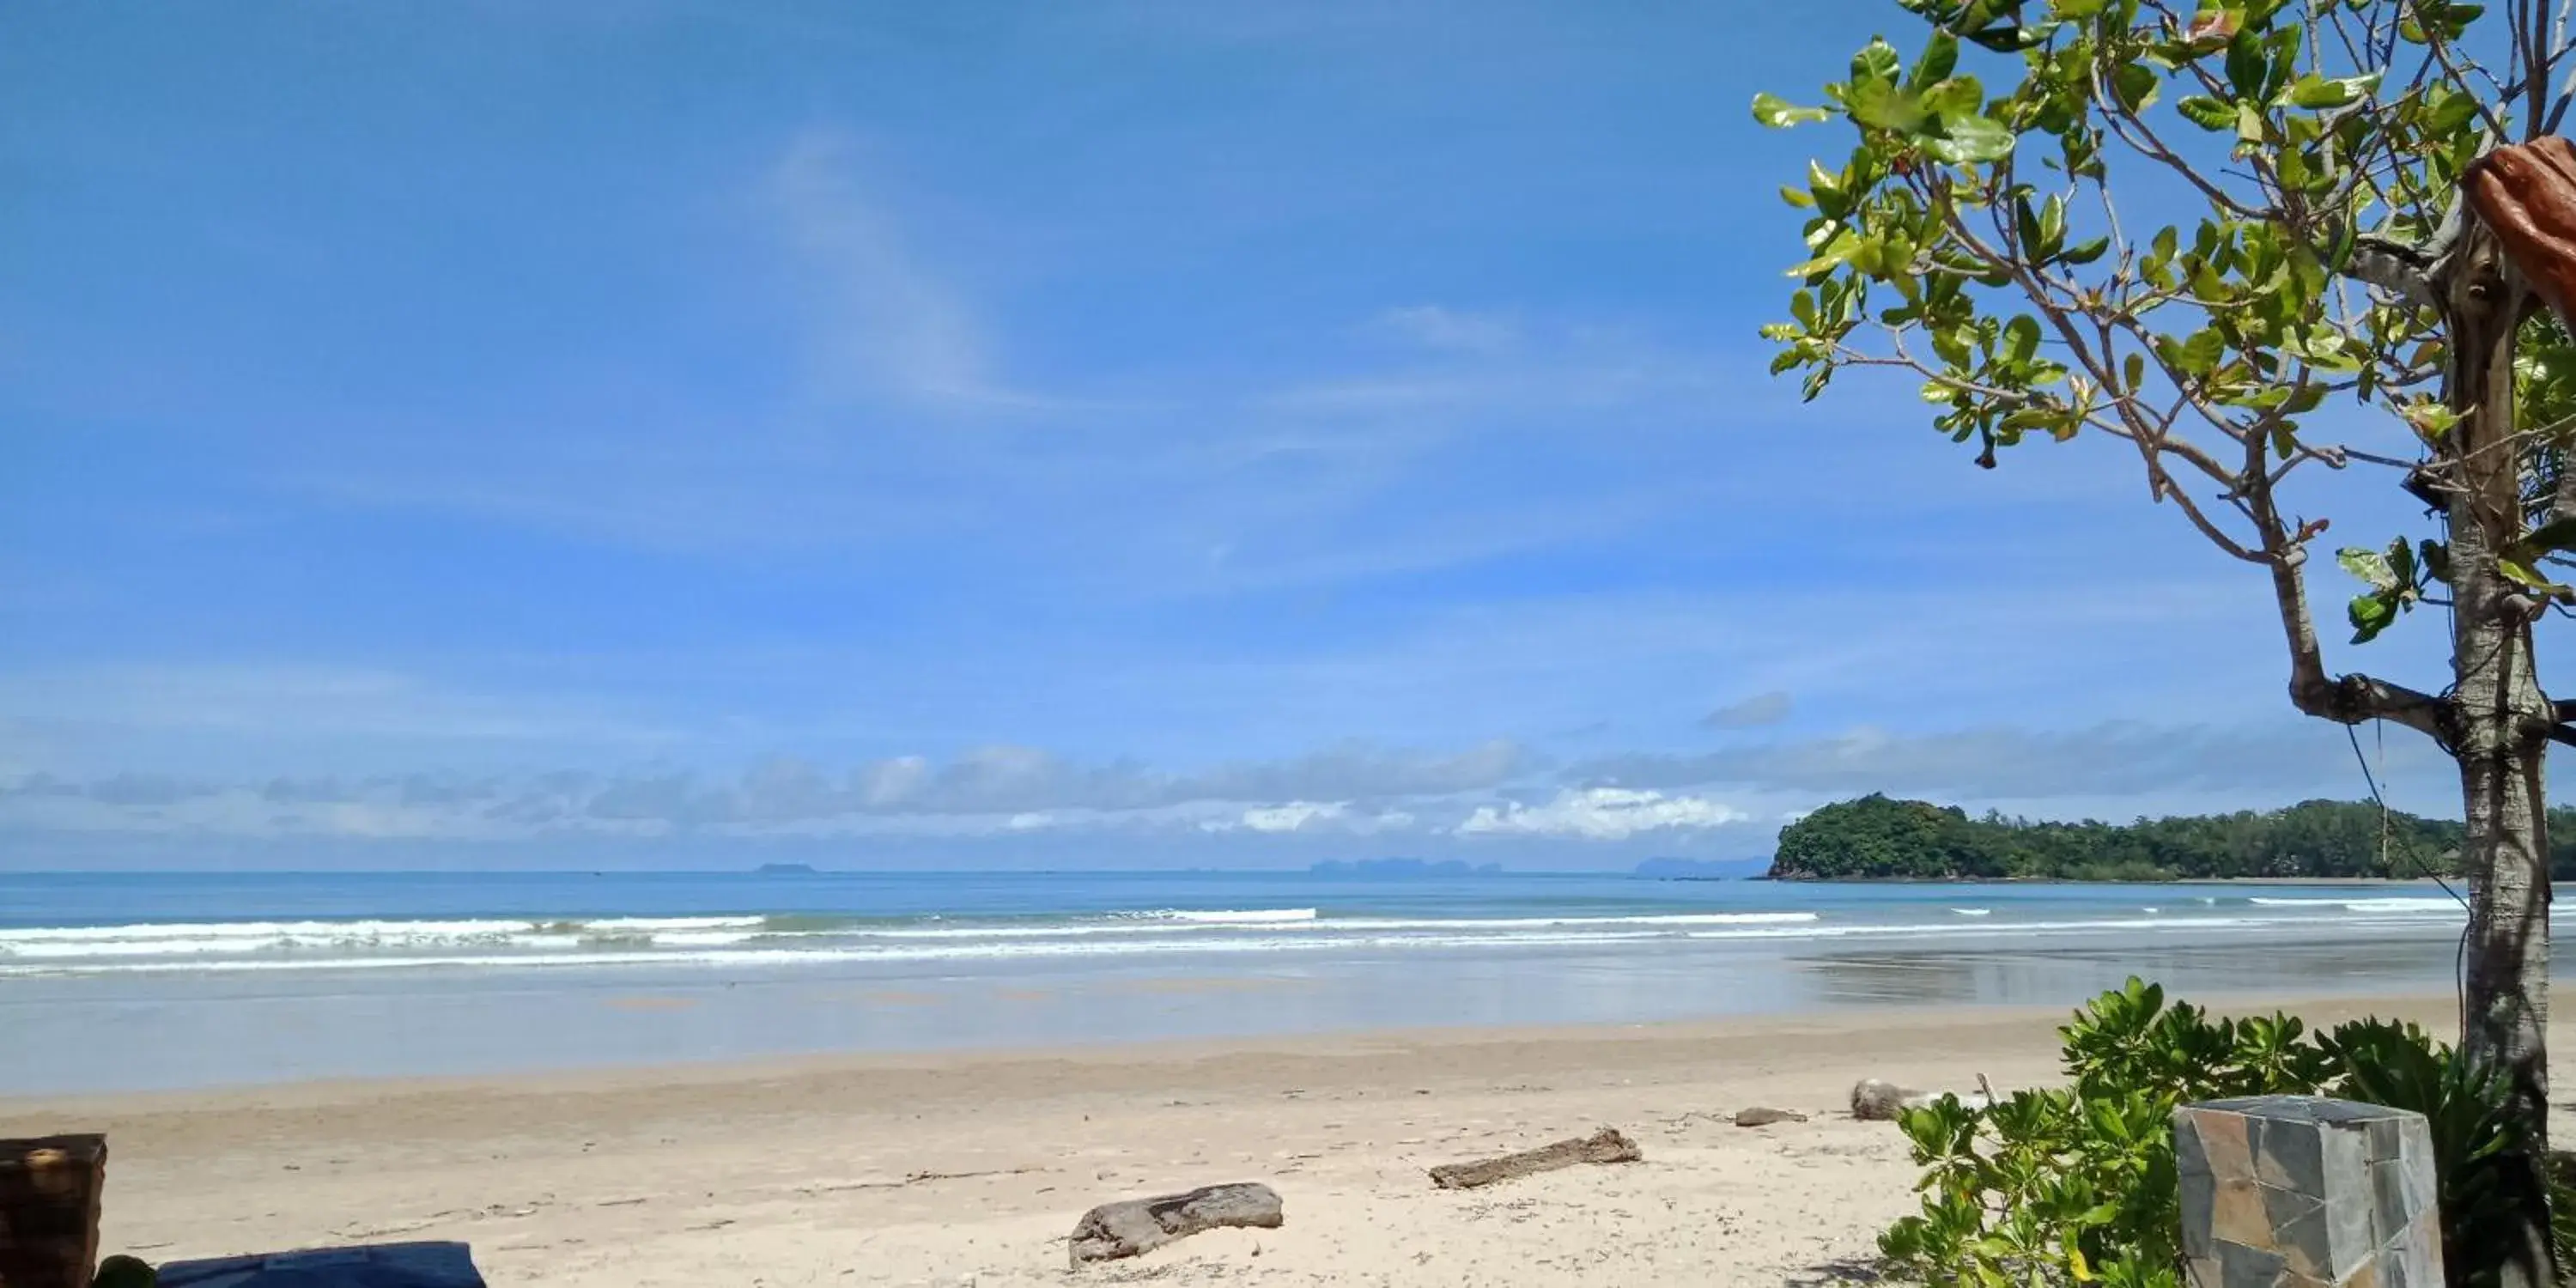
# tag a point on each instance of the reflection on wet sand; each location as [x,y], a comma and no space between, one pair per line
[1940,977]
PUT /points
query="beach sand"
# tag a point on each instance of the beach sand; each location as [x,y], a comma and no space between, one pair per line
[972,1168]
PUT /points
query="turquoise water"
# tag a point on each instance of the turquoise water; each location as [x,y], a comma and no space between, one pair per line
[226,978]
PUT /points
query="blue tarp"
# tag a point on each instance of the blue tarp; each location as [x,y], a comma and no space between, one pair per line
[383,1265]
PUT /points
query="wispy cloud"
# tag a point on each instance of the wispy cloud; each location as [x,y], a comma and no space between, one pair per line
[1351,790]
[2268,759]
[276,701]
[887,321]
[1767,708]
[1436,327]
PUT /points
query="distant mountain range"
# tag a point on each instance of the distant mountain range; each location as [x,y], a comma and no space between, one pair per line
[1403,868]
[1702,869]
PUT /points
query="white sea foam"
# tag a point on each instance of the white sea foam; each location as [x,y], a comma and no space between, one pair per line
[192,939]
[752,941]
[2444,905]
[1227,916]
[782,957]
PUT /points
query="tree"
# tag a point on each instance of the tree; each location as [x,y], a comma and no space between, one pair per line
[2292,227]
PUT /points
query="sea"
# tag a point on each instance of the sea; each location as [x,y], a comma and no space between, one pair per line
[123,982]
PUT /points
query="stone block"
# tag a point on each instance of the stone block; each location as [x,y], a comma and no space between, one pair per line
[2303,1192]
[49,1199]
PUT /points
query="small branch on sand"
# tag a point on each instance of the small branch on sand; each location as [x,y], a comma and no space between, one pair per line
[1603,1146]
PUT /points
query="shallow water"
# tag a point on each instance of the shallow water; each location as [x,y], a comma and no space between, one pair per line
[127,982]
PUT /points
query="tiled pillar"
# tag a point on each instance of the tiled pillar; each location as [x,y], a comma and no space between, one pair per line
[2302,1192]
[49,1191]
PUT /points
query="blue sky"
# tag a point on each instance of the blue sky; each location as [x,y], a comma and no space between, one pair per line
[1019,435]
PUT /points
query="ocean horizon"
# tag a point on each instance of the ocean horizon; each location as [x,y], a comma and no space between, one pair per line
[159,981]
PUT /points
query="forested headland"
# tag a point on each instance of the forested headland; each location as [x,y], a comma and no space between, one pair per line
[1878,838]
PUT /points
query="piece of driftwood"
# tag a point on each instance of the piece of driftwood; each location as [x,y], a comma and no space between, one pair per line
[1876,1101]
[1124,1229]
[49,1198]
[2526,195]
[1603,1146]
[1761,1116]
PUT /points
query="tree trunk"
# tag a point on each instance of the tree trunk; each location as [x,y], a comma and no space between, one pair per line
[2499,721]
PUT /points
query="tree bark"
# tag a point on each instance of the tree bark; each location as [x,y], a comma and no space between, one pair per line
[2499,719]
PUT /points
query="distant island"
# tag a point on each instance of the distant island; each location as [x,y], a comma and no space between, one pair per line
[1403,868]
[785,870]
[1699,869]
[1877,838]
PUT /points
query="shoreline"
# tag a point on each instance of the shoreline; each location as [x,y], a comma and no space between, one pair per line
[971,1166]
[1843,1025]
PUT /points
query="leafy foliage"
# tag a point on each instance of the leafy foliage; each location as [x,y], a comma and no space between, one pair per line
[1875,838]
[1971,238]
[1878,838]
[2078,1184]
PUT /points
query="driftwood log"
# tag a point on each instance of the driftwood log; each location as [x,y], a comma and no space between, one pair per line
[1124,1229]
[1876,1101]
[2526,195]
[49,1197]
[1603,1146]
[1761,1116]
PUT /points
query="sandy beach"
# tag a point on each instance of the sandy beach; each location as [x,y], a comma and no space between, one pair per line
[971,1168]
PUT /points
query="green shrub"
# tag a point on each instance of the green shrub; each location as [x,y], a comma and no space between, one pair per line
[2077,1185]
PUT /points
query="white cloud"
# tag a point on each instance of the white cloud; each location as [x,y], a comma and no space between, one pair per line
[1348,790]
[1451,330]
[1291,817]
[1600,814]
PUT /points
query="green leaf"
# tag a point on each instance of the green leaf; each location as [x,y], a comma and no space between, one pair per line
[1972,140]
[2202,351]
[1940,56]
[2313,91]
[1799,197]
[2246,64]
[2021,338]
[2136,84]
[2369,615]
[2086,252]
[1779,113]
[2206,112]
[1876,61]
[2518,571]
[2431,420]
[1881,105]
[2369,565]
[1832,255]
[2551,537]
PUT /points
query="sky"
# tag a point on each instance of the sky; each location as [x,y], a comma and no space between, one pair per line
[685,433]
